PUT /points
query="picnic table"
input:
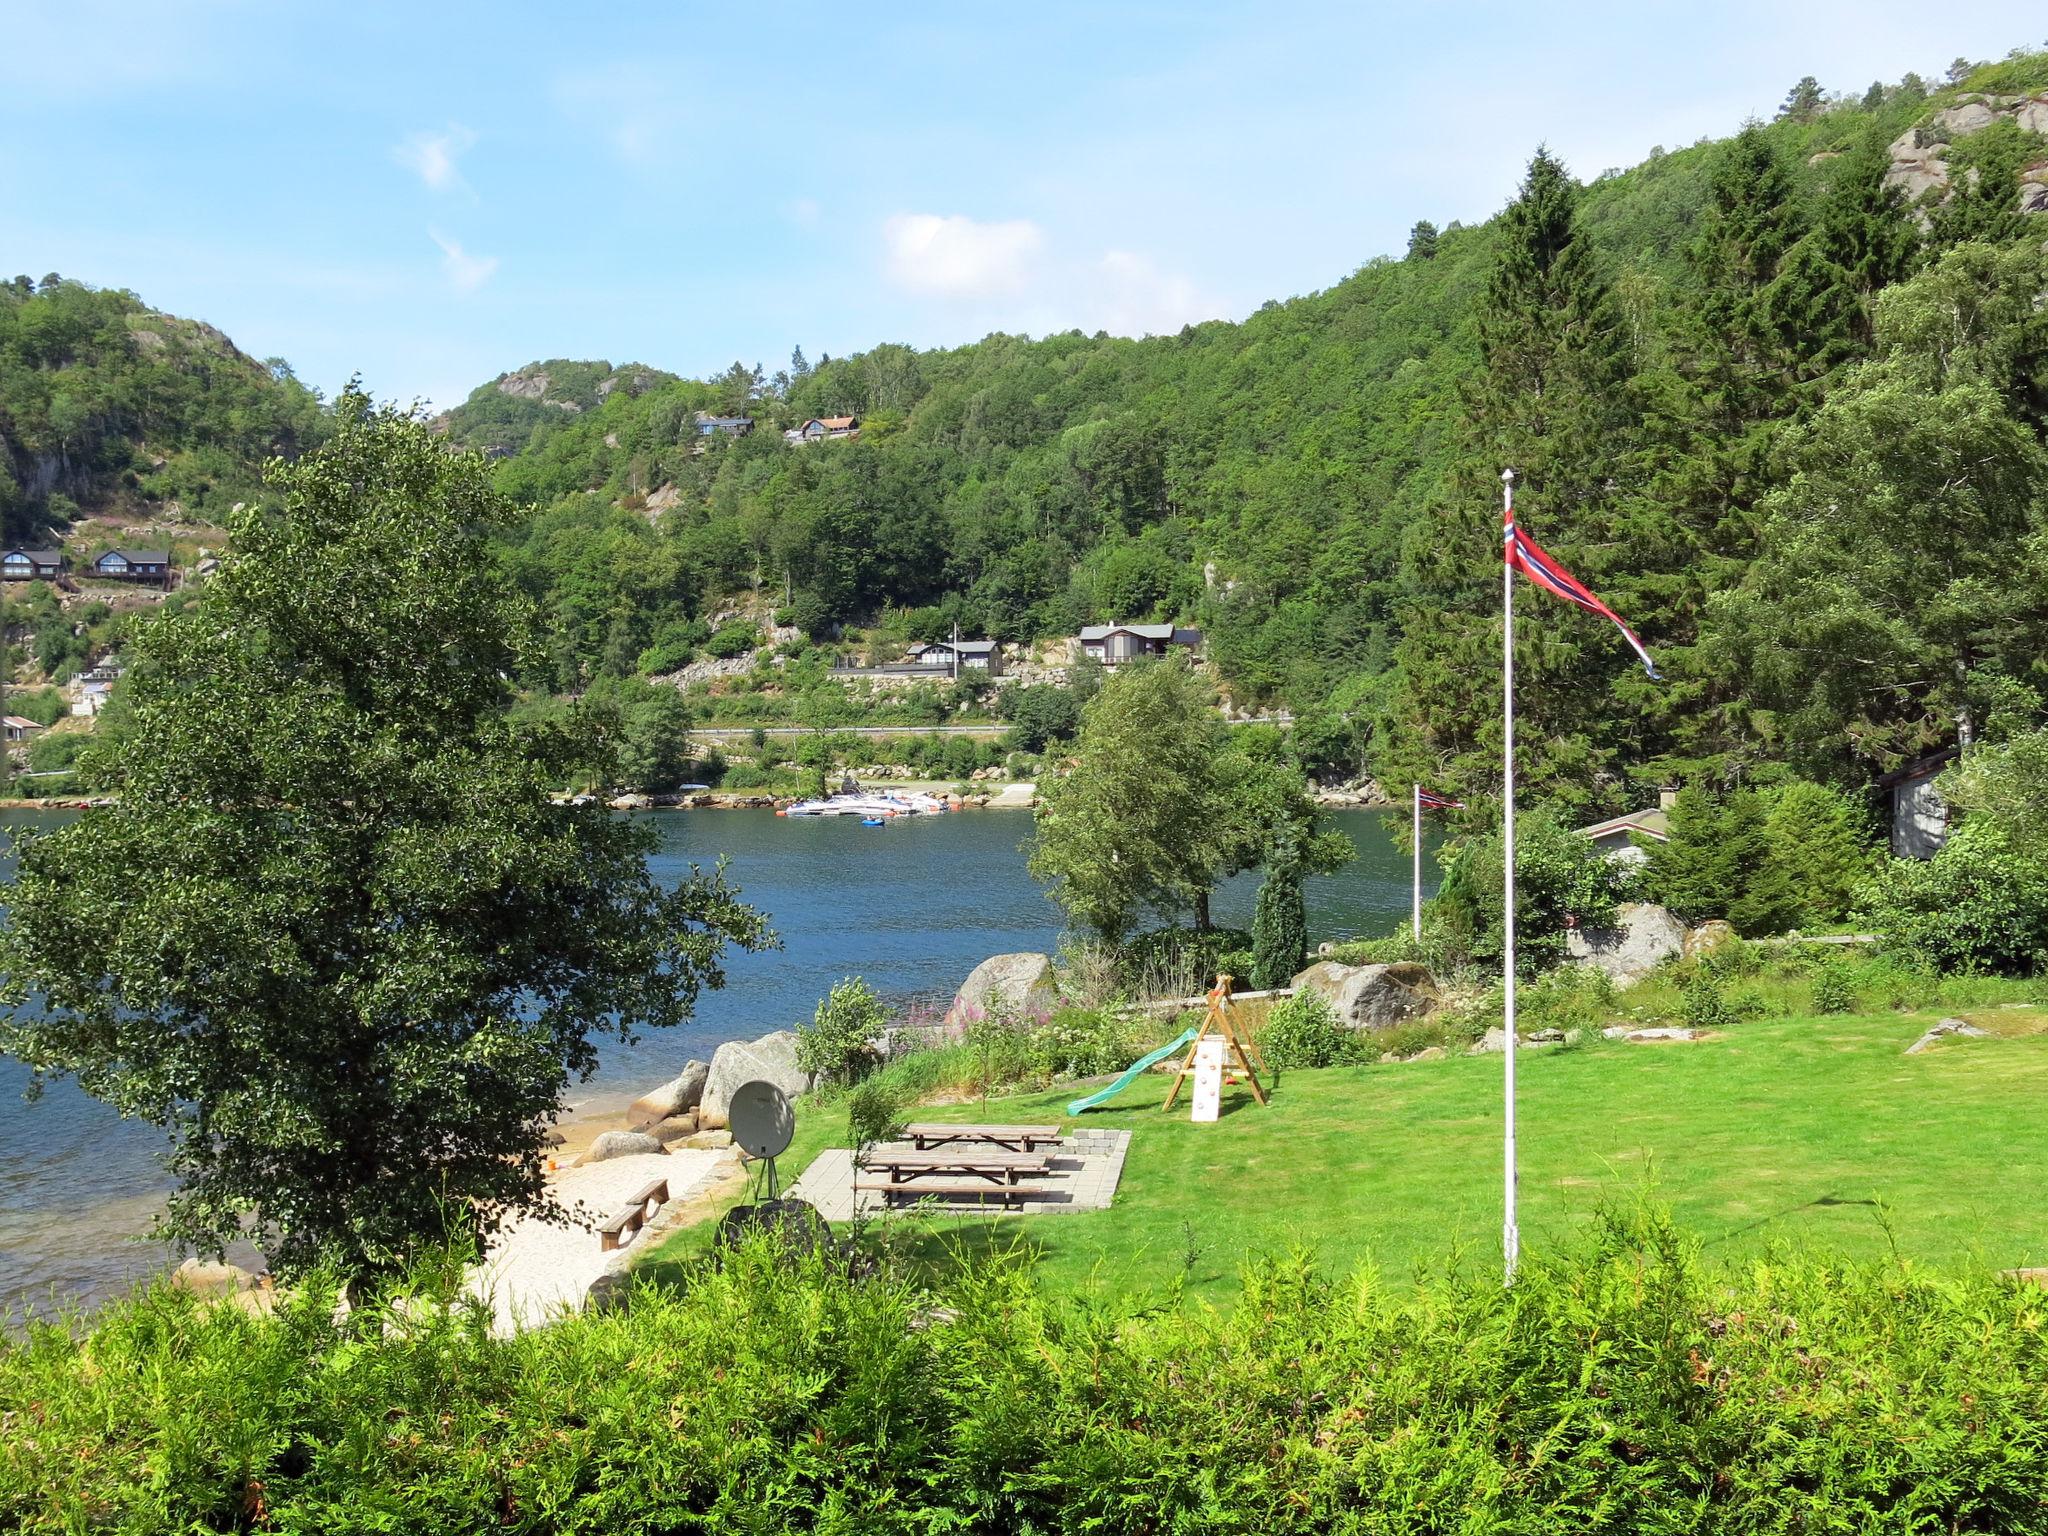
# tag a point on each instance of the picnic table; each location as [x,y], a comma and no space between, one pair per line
[1017,1138]
[995,1167]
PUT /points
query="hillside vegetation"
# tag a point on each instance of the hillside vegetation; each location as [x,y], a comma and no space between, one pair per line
[1779,398]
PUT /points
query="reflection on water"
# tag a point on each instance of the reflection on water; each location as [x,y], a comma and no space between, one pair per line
[912,907]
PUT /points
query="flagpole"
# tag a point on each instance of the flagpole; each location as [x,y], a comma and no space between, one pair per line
[1417,902]
[1511,1238]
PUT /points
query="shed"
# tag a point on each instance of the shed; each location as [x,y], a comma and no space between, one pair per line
[1915,814]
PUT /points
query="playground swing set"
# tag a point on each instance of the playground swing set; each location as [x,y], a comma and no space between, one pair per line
[1219,1023]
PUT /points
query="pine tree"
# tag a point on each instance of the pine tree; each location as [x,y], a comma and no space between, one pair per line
[1422,241]
[1803,100]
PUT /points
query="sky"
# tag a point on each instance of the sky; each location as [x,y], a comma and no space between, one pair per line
[430,195]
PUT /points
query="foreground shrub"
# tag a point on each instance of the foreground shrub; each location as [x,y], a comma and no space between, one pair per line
[1624,1386]
[1304,1031]
[838,1045]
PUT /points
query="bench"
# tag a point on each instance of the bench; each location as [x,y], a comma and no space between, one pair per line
[627,1222]
[1019,1138]
[995,1167]
[1011,1195]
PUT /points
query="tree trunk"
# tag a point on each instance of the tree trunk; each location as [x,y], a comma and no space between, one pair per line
[1202,923]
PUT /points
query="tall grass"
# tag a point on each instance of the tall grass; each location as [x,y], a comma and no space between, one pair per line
[1625,1386]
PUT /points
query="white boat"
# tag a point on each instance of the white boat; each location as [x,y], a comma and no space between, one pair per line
[867,804]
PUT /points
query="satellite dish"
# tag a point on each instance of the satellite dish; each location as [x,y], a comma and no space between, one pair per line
[761,1119]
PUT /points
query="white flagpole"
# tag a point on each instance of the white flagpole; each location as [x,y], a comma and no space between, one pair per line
[1511,1237]
[1417,903]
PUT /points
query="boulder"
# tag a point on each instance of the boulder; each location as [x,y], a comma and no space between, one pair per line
[682,1092]
[1372,996]
[674,1128]
[206,1279]
[1643,937]
[771,1059]
[622,1144]
[1652,1035]
[1708,937]
[708,1141]
[1018,984]
[1944,1029]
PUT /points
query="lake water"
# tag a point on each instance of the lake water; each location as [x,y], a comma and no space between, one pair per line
[912,907]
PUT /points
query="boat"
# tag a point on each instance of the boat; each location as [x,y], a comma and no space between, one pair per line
[874,821]
[869,805]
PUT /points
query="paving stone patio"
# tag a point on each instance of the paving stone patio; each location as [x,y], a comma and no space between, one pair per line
[1084,1175]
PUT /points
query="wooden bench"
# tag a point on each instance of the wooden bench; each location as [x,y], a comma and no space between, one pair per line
[995,1167]
[630,1220]
[1011,1195]
[1018,1138]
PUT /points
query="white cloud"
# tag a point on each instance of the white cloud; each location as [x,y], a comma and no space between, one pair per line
[1009,275]
[432,156]
[955,257]
[468,273]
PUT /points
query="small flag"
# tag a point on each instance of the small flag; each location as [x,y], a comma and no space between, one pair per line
[1524,554]
[1429,800]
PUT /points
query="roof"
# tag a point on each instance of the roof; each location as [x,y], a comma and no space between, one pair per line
[140,556]
[838,423]
[24,725]
[1651,823]
[710,422]
[1144,631]
[40,556]
[1919,768]
[964,647]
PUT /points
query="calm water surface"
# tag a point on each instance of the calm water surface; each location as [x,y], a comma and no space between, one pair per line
[912,906]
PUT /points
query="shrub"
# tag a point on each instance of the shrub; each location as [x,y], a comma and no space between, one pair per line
[1179,962]
[1572,997]
[733,639]
[838,1045]
[1980,904]
[1821,840]
[1831,990]
[874,1114]
[1086,1042]
[1304,1031]
[1702,1004]
[1559,875]
[1279,924]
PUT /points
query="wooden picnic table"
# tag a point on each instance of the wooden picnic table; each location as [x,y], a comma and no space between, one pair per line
[1018,1138]
[995,1167]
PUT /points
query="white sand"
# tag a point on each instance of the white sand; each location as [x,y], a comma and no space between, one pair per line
[536,1271]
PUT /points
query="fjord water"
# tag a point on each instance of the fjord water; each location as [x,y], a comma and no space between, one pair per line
[912,907]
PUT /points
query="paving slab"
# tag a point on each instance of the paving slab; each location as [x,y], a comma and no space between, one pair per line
[1085,1172]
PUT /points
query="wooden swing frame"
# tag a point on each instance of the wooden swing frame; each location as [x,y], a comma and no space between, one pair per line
[1218,1021]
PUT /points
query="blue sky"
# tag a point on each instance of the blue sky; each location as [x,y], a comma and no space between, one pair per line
[431,194]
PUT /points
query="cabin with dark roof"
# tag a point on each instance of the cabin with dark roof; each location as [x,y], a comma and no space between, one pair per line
[963,655]
[1115,644]
[23,564]
[731,426]
[1916,815]
[133,565]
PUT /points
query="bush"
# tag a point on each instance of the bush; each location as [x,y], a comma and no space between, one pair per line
[1179,962]
[1980,904]
[1086,1042]
[1304,1031]
[1559,875]
[774,1393]
[838,1045]
[733,639]
[874,1114]
[1279,924]
[1831,990]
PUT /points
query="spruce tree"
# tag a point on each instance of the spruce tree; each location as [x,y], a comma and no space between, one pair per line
[1279,920]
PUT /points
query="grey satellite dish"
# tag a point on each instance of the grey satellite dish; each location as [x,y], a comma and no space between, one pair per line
[762,1123]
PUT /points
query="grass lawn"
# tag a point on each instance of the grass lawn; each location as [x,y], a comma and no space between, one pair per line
[1814,1129]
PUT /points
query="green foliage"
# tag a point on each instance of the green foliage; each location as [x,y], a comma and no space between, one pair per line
[1720,862]
[839,1044]
[1832,990]
[333,936]
[1820,840]
[45,706]
[1279,923]
[771,1393]
[733,639]
[1303,1031]
[1560,879]
[874,1114]
[1981,903]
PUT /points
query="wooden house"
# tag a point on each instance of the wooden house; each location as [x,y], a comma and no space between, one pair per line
[134,565]
[820,428]
[1916,817]
[1115,644]
[23,564]
[19,729]
[960,655]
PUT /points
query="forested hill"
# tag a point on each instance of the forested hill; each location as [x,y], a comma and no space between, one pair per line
[110,408]
[1780,398]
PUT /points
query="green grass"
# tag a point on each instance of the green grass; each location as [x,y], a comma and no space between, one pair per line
[1820,1130]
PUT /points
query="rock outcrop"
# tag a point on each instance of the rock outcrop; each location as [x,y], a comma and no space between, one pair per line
[1372,996]
[1643,937]
[1708,937]
[1942,1031]
[621,1144]
[1919,156]
[684,1091]
[771,1059]
[1019,984]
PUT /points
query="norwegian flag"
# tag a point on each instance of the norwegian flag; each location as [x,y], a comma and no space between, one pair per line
[1524,554]
[1430,800]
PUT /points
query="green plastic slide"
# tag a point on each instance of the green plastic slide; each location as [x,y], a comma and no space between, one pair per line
[1105,1094]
